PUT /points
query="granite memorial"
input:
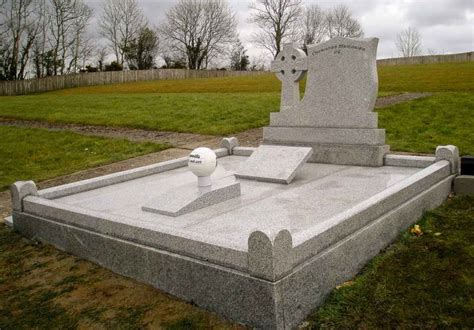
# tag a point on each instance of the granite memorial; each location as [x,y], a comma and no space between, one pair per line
[335,116]
[260,235]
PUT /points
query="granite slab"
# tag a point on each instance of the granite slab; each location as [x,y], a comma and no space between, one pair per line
[317,193]
[276,164]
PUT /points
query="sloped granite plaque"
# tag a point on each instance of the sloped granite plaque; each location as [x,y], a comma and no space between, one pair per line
[276,164]
[190,198]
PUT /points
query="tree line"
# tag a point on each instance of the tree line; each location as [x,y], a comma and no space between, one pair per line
[50,37]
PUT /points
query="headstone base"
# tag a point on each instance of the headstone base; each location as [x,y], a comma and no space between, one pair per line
[359,147]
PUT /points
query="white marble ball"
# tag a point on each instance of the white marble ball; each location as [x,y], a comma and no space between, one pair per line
[202,161]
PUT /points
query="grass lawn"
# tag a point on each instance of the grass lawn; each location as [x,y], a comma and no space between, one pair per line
[229,105]
[436,77]
[205,113]
[422,281]
[421,125]
[36,154]
[416,126]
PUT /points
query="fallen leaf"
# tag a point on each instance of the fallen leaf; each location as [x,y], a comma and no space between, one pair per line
[348,283]
[416,230]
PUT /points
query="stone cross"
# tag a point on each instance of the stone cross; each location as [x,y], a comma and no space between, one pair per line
[290,65]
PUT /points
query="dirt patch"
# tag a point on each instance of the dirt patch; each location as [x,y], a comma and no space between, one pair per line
[42,287]
[399,98]
[179,140]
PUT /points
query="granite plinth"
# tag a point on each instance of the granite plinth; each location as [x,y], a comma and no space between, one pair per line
[189,198]
[408,160]
[274,163]
[464,185]
[323,135]
[342,154]
[266,258]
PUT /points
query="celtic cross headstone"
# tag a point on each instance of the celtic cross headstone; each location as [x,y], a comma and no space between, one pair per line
[335,116]
[290,66]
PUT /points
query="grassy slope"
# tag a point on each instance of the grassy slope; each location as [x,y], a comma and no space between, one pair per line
[206,113]
[402,78]
[423,124]
[211,106]
[437,77]
[35,154]
[422,281]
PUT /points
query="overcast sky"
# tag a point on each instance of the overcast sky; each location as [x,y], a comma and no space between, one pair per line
[446,26]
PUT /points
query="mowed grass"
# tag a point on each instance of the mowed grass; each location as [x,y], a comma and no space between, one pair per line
[435,77]
[219,106]
[36,154]
[423,282]
[421,125]
[205,113]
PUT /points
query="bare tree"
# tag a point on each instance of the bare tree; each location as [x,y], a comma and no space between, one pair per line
[69,19]
[409,42]
[278,23]
[259,63]
[120,23]
[86,50]
[42,39]
[340,23]
[101,56]
[199,30]
[81,44]
[18,31]
[314,26]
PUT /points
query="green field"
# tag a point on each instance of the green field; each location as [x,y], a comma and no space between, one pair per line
[205,113]
[223,106]
[401,78]
[421,125]
[37,154]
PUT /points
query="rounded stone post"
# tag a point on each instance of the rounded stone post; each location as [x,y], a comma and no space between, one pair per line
[270,256]
[20,190]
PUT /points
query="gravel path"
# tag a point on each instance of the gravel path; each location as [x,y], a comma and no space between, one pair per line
[399,98]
